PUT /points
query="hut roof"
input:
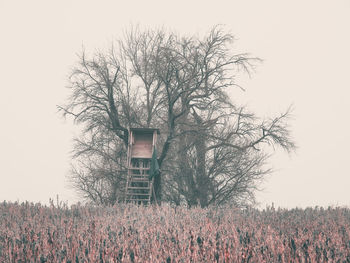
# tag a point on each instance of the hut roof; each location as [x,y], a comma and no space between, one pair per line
[145,130]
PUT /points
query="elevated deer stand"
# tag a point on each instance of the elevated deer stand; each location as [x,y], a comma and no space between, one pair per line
[139,185]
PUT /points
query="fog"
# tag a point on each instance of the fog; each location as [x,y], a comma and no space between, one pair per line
[305,50]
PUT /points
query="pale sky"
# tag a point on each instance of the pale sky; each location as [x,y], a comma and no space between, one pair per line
[304,45]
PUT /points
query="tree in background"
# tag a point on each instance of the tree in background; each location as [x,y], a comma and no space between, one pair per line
[210,150]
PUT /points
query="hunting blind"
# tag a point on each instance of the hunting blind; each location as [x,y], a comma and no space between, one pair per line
[142,164]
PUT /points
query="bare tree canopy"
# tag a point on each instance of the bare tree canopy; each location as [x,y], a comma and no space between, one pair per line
[210,151]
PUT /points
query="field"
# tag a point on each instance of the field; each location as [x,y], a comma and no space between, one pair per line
[36,233]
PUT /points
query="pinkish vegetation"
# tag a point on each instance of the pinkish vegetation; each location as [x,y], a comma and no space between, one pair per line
[35,233]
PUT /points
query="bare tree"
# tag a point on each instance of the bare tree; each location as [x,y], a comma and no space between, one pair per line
[102,103]
[226,161]
[208,147]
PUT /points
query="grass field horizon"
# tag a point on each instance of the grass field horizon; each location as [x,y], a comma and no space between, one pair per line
[128,233]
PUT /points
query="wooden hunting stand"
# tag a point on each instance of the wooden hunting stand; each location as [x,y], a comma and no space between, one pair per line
[139,184]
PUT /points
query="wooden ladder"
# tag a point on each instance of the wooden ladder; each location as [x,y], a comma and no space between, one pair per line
[138,186]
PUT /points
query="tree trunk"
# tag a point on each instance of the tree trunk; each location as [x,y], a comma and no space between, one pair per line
[157,189]
[201,175]
[202,179]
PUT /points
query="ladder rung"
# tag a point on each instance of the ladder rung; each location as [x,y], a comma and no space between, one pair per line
[139,188]
[143,194]
[137,200]
[145,180]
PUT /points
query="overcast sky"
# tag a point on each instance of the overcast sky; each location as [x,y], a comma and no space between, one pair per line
[304,45]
